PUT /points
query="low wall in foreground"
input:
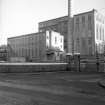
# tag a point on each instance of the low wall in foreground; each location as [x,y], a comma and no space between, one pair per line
[31,67]
[88,67]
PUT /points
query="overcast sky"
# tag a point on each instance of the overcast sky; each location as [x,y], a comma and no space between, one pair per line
[19,17]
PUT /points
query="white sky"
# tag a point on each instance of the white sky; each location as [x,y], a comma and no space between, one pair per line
[19,17]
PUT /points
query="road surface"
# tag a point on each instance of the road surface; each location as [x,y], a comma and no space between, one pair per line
[51,89]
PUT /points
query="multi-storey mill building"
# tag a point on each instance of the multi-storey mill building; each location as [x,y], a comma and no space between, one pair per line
[58,25]
[63,25]
[87,29]
[36,47]
[89,33]
[99,32]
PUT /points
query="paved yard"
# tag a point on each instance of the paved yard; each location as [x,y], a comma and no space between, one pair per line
[51,89]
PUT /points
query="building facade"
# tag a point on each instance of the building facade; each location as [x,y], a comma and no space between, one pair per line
[88,31]
[36,47]
[84,35]
[89,35]
[99,32]
[59,25]
[3,53]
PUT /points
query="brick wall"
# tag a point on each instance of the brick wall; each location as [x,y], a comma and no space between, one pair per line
[31,67]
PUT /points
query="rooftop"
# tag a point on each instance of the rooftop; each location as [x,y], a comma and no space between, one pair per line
[26,35]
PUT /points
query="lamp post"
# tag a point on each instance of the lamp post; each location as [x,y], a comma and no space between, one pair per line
[97,59]
[104,58]
[79,63]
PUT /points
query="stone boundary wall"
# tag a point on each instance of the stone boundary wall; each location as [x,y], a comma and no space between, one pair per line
[31,67]
[88,67]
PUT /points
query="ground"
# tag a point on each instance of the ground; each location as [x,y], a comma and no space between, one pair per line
[51,88]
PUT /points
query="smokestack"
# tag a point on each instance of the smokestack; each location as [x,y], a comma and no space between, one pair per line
[69,8]
[69,36]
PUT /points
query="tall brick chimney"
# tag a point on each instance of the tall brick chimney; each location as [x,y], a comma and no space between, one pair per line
[69,36]
[69,8]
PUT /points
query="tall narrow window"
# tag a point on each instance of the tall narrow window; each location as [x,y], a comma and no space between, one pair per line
[65,27]
[89,22]
[90,41]
[61,40]
[78,45]
[100,33]
[77,24]
[83,21]
[55,40]
[103,34]
[90,50]
[97,32]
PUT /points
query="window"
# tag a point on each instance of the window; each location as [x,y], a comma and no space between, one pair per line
[55,40]
[97,32]
[78,45]
[55,27]
[22,51]
[100,33]
[36,51]
[83,21]
[61,40]
[90,50]
[47,37]
[47,46]
[61,46]
[90,41]
[64,27]
[104,34]
[89,22]
[77,23]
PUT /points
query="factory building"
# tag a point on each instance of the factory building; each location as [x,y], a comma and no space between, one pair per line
[89,33]
[99,32]
[59,25]
[36,47]
[84,34]
[87,29]
[3,53]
